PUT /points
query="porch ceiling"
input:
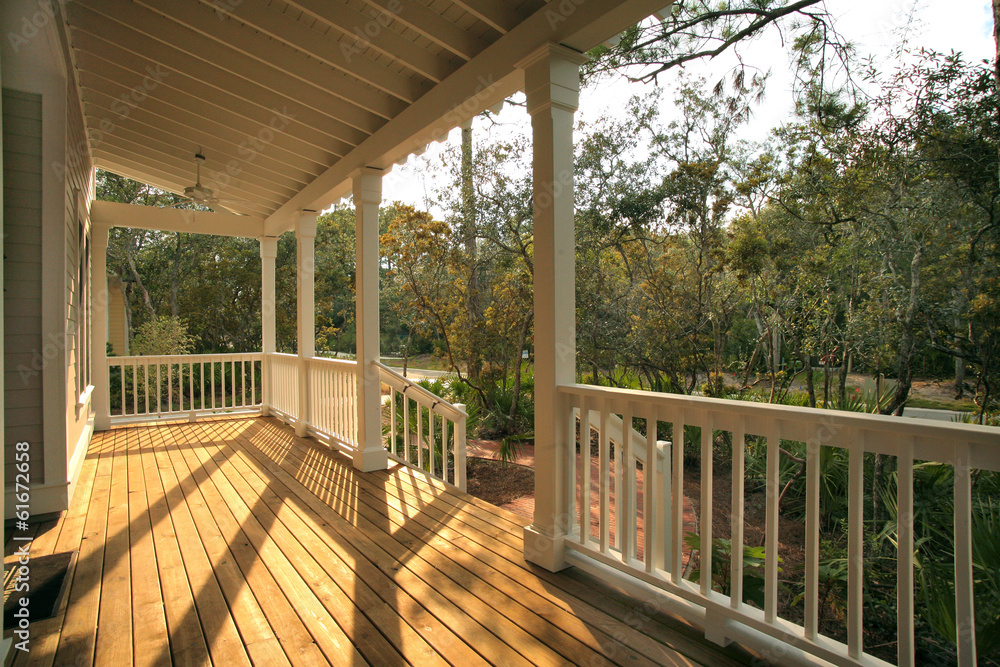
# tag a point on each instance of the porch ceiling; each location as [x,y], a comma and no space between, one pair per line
[287,99]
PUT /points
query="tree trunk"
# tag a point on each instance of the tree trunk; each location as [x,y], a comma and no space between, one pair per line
[517,370]
[137,279]
[468,232]
[907,341]
[175,283]
[810,382]
[406,351]
[959,377]
[842,380]
[996,60]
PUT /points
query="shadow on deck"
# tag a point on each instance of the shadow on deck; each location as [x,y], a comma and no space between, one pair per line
[232,541]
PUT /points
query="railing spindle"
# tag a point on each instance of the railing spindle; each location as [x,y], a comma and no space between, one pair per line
[705,553]
[653,533]
[855,543]
[604,483]
[736,551]
[965,618]
[677,501]
[811,620]
[771,524]
[904,555]
[585,494]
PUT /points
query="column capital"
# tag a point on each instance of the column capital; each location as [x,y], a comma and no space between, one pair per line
[305,226]
[552,78]
[367,186]
[99,237]
[268,247]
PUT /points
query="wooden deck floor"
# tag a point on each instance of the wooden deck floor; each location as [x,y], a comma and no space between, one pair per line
[234,542]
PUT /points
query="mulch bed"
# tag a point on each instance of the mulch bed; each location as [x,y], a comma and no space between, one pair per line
[497,482]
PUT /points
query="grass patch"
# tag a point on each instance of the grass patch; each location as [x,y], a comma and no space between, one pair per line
[962,405]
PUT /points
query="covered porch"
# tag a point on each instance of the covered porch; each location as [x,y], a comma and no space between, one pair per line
[233,541]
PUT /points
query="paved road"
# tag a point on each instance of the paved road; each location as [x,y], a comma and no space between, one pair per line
[421,373]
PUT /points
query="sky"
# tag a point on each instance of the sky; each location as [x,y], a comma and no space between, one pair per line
[874,27]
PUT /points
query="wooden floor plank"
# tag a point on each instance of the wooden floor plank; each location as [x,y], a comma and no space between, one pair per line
[323,568]
[232,541]
[328,635]
[254,627]
[46,633]
[114,622]
[290,630]
[186,642]
[217,624]
[149,621]
[373,548]
[374,591]
[79,628]
[447,530]
[537,638]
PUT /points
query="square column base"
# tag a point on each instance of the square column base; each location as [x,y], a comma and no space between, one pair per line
[544,550]
[370,460]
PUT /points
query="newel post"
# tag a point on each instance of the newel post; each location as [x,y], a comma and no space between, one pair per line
[101,400]
[268,253]
[552,86]
[369,453]
[305,266]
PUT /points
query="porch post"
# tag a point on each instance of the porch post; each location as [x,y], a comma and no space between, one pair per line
[268,253]
[370,454]
[552,87]
[101,399]
[305,266]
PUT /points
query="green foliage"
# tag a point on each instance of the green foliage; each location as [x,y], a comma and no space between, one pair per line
[753,568]
[162,336]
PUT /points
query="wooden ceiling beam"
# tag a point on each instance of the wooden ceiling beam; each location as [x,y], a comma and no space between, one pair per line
[356,32]
[498,14]
[115,82]
[285,55]
[143,173]
[152,112]
[213,172]
[135,24]
[103,117]
[430,24]
[114,214]
[243,97]
[257,197]
[217,163]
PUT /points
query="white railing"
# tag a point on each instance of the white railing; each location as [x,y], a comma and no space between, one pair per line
[155,387]
[283,383]
[423,430]
[606,531]
[333,412]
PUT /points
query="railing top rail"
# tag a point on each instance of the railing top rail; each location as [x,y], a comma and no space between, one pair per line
[348,364]
[150,358]
[909,426]
[413,390]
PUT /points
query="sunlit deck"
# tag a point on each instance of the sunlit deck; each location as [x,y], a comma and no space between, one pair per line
[234,542]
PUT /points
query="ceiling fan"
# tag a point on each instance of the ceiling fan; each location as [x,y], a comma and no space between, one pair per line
[205,196]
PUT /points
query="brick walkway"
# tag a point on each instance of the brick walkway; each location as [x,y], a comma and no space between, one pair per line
[525,505]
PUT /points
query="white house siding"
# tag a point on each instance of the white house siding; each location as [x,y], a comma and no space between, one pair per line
[22,228]
[79,187]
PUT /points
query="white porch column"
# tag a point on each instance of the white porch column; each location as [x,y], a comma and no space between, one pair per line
[370,454]
[305,266]
[101,399]
[268,253]
[552,86]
